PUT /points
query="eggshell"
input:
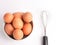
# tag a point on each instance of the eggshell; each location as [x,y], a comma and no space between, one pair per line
[27,28]
[27,17]
[18,14]
[9,29]
[18,34]
[17,23]
[8,17]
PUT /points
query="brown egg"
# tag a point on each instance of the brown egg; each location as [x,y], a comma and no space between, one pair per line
[27,17]
[18,14]
[27,28]
[9,29]
[18,34]
[8,17]
[17,23]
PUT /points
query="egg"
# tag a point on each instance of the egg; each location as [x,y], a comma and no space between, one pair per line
[9,29]
[27,17]
[27,29]
[18,34]
[8,17]
[18,14]
[17,23]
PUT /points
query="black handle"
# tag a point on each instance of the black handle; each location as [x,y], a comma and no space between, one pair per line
[45,40]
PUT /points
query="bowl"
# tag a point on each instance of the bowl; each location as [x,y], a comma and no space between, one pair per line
[11,37]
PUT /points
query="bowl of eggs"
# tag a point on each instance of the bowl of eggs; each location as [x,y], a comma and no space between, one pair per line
[18,25]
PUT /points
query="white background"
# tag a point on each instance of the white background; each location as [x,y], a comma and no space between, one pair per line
[35,7]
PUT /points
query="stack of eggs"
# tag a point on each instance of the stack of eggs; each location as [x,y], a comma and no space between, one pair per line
[18,25]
